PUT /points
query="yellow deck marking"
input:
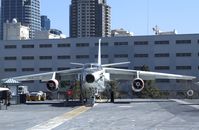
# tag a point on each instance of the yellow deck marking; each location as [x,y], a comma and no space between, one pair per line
[52,123]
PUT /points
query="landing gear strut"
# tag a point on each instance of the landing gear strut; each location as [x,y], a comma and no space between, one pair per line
[112,96]
[92,98]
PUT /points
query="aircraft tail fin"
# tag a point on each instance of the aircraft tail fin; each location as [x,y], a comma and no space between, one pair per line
[99,53]
[100,60]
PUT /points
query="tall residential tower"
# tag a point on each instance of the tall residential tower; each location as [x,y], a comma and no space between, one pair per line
[90,18]
[27,12]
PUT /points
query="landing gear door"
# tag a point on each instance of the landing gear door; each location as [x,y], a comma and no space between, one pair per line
[107,76]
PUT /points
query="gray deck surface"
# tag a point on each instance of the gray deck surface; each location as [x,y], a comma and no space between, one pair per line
[130,114]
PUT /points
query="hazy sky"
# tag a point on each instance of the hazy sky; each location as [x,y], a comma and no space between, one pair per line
[138,16]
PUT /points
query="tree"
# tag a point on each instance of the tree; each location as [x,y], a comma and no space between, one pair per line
[111,90]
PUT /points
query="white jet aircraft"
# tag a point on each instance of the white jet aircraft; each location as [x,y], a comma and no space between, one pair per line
[93,77]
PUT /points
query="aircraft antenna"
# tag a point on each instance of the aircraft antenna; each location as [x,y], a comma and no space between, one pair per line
[148,16]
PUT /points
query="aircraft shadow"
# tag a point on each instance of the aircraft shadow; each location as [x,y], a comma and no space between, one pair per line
[180,110]
[78,103]
[152,101]
[123,102]
[190,104]
[57,104]
[126,101]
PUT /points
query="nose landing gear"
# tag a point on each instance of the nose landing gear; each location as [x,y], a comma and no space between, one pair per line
[92,98]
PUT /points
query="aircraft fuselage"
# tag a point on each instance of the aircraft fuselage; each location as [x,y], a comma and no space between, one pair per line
[93,77]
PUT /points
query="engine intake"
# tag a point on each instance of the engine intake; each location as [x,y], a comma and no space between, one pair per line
[52,85]
[138,85]
[90,78]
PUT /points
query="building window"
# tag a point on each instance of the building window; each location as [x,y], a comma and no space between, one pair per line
[27,46]
[183,67]
[10,46]
[63,57]
[120,43]
[64,45]
[121,55]
[178,81]
[141,55]
[121,67]
[62,68]
[31,81]
[102,44]
[10,69]
[183,41]
[198,41]
[162,68]
[162,55]
[82,56]
[183,54]
[27,69]
[138,67]
[45,45]
[162,80]
[82,45]
[45,57]
[27,57]
[10,58]
[45,69]
[102,56]
[161,42]
[141,43]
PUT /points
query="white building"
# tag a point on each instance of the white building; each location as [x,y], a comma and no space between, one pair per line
[178,54]
[15,31]
[49,34]
[120,33]
[159,32]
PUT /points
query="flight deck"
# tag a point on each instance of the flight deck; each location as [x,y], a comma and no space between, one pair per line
[124,114]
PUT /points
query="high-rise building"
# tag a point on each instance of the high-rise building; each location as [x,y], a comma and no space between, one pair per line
[27,12]
[90,18]
[45,22]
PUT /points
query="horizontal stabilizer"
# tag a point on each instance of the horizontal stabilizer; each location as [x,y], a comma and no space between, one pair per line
[79,64]
[114,64]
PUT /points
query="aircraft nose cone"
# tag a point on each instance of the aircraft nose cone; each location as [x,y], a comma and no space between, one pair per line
[90,78]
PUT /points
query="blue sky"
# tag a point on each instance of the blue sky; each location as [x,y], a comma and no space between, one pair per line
[138,16]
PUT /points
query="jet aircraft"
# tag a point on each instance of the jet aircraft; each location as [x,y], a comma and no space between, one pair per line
[93,77]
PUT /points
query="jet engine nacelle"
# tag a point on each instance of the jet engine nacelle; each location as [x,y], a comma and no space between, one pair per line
[52,85]
[91,78]
[138,85]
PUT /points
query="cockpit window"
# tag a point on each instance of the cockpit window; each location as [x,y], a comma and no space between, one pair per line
[95,66]
[87,66]
[92,66]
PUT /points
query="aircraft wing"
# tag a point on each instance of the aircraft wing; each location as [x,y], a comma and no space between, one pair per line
[126,74]
[46,76]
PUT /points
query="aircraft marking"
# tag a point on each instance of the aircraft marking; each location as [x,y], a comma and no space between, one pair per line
[125,106]
[55,122]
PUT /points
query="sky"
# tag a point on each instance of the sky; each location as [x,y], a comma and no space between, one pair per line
[137,16]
